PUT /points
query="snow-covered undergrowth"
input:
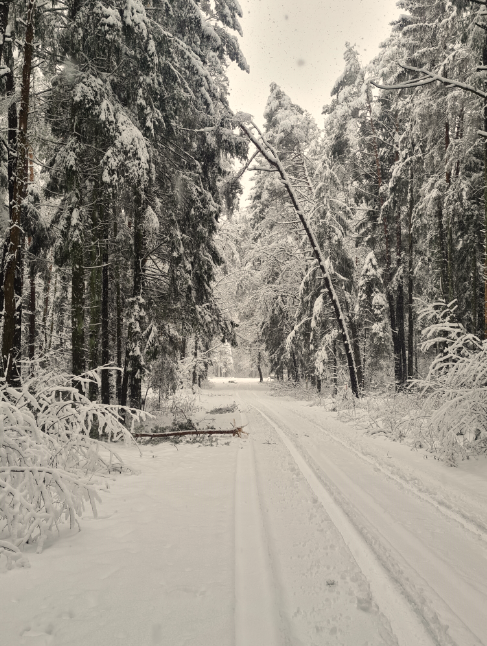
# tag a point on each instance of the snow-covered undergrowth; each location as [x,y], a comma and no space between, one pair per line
[48,459]
[446,412]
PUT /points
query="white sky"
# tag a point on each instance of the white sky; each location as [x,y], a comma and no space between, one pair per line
[299,45]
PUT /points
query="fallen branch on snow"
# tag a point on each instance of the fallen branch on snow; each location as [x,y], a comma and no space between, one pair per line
[234,431]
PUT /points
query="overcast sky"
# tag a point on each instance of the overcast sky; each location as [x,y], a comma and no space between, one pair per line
[299,45]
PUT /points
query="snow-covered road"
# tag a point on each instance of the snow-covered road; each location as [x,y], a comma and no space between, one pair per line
[426,563]
[303,533]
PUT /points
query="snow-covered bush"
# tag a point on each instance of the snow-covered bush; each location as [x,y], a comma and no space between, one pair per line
[48,459]
[445,412]
[455,387]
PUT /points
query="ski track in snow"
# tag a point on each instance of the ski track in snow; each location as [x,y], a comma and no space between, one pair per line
[299,534]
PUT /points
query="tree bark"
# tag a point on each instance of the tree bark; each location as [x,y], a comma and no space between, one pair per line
[137,303]
[12,324]
[77,311]
[105,330]
[484,62]
[401,339]
[334,375]
[4,13]
[410,275]
[119,326]
[32,312]
[261,378]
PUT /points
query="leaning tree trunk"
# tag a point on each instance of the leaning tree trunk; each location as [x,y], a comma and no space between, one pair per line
[12,324]
[270,154]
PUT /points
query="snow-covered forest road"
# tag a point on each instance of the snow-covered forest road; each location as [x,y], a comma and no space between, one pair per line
[303,533]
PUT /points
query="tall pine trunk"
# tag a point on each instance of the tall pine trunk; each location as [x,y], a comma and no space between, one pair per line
[13,273]
[77,311]
[410,275]
[484,62]
[401,338]
[105,329]
[132,376]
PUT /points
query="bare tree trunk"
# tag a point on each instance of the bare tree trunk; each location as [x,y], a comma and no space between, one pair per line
[4,13]
[119,326]
[32,311]
[105,331]
[53,314]
[410,277]
[401,339]
[77,311]
[195,355]
[261,379]
[134,333]
[334,375]
[484,62]
[12,324]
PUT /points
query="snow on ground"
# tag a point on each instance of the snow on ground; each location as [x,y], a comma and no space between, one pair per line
[305,532]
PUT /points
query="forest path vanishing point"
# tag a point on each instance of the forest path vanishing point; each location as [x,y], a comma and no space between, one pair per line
[305,532]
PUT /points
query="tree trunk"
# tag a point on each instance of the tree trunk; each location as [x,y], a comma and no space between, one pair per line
[53,314]
[12,324]
[261,379]
[410,276]
[77,312]
[356,350]
[443,254]
[484,62]
[401,339]
[270,154]
[195,355]
[105,330]
[119,327]
[32,311]
[95,284]
[4,12]
[295,367]
[334,374]
[134,334]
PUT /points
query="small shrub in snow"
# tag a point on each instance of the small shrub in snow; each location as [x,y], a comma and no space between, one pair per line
[47,458]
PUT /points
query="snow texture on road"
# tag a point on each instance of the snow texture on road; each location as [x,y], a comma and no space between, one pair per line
[304,533]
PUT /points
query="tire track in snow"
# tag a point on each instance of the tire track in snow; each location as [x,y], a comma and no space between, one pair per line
[466,523]
[406,624]
[256,619]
